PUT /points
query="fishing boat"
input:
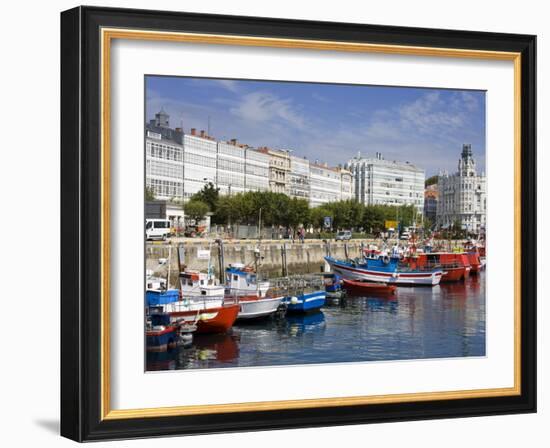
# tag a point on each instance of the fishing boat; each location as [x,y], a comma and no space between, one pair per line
[362,288]
[256,307]
[476,256]
[305,302]
[455,266]
[475,261]
[242,287]
[199,302]
[333,285]
[385,269]
[241,280]
[160,335]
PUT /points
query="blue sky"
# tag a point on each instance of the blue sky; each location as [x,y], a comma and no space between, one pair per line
[329,122]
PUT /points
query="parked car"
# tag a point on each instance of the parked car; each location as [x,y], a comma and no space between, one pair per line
[157,229]
[343,235]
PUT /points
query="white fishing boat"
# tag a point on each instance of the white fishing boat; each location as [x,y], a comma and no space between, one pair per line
[241,280]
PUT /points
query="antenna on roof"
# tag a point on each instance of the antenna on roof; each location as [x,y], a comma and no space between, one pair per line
[208,124]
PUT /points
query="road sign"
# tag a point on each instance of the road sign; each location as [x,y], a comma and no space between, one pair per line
[327,222]
[389,224]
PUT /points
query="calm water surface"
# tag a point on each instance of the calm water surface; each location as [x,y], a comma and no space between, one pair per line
[440,322]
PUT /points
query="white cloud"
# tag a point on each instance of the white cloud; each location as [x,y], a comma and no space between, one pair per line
[266,107]
[228,84]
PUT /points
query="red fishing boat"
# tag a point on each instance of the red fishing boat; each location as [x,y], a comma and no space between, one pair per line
[202,303]
[475,261]
[456,266]
[360,288]
[209,320]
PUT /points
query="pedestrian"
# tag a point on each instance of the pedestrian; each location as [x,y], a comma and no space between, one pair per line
[301,234]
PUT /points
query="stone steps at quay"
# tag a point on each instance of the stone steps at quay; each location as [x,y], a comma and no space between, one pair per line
[301,258]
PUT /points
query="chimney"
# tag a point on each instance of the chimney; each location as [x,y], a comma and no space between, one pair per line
[178,129]
[193,131]
[234,141]
[203,133]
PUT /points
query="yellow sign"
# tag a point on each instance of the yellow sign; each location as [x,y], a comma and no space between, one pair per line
[391,225]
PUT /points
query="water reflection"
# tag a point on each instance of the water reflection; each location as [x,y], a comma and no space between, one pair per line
[444,321]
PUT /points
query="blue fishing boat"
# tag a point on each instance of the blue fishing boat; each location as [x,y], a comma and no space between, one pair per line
[305,302]
[385,269]
[333,285]
[161,336]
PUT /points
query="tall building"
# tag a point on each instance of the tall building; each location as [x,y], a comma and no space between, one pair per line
[326,184]
[346,178]
[299,182]
[279,169]
[462,196]
[179,164]
[231,167]
[164,159]
[380,181]
[256,170]
[200,160]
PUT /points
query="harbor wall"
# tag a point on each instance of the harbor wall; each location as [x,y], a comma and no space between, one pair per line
[301,257]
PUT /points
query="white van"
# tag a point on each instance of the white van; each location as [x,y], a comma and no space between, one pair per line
[157,229]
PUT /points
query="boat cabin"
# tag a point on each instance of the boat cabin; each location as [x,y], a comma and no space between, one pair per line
[195,283]
[240,279]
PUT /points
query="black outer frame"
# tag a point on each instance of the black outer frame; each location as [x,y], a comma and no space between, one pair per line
[81,214]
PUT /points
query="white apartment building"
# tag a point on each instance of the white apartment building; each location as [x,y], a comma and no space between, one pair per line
[462,196]
[325,184]
[380,181]
[179,165]
[299,178]
[163,167]
[256,170]
[200,160]
[346,178]
[231,168]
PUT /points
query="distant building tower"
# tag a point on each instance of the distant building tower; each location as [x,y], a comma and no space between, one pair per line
[467,164]
[162,119]
[462,196]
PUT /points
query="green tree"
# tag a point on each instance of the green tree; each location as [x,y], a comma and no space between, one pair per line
[431,180]
[374,217]
[346,214]
[297,212]
[149,194]
[209,194]
[195,210]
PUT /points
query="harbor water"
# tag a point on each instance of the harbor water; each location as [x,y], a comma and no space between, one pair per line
[444,321]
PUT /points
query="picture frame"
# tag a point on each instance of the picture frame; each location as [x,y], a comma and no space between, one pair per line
[86,210]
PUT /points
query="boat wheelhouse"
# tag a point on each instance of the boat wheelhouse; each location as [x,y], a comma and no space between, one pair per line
[243,287]
[241,280]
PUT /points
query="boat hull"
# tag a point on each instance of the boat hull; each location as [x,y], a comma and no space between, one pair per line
[209,320]
[366,288]
[160,340]
[255,308]
[305,303]
[454,274]
[396,278]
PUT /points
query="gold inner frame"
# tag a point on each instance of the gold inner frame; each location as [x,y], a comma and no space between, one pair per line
[107,35]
